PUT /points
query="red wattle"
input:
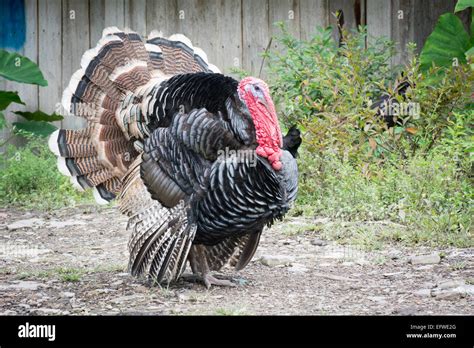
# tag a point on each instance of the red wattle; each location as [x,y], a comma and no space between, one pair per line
[268,133]
[269,150]
[277,165]
[261,152]
[274,157]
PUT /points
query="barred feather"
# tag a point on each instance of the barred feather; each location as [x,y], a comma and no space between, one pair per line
[161,237]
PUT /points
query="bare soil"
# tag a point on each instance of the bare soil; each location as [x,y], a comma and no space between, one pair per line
[73,261]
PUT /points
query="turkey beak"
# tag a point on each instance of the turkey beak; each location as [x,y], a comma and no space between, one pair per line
[259,96]
[263,101]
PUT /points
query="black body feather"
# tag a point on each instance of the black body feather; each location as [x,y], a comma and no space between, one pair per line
[229,196]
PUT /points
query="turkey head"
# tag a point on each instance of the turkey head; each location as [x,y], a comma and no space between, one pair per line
[256,95]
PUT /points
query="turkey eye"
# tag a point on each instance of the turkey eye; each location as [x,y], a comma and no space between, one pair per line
[257,88]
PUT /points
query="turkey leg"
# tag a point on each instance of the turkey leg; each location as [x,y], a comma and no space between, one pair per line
[200,268]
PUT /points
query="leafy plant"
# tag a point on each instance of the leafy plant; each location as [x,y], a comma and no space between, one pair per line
[6,98]
[416,175]
[298,75]
[449,43]
[329,91]
[18,68]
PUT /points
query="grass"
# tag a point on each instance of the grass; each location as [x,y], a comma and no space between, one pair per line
[29,179]
[380,260]
[70,274]
[368,235]
[34,275]
[64,274]
[425,200]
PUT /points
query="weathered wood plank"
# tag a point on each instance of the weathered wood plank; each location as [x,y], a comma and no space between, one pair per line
[228,25]
[75,41]
[114,13]
[49,51]
[349,9]
[255,33]
[379,19]
[402,27]
[29,93]
[96,21]
[313,13]
[214,26]
[286,11]
[135,16]
[162,15]
[197,20]
[103,14]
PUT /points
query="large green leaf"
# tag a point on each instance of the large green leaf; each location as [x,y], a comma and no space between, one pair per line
[463,4]
[16,67]
[448,40]
[3,121]
[39,128]
[39,116]
[7,97]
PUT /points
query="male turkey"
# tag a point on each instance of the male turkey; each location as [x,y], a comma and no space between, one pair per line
[194,157]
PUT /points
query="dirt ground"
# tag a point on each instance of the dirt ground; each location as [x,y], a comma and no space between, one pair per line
[73,261]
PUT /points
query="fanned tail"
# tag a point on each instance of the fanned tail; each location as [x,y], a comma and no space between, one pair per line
[111,74]
[113,91]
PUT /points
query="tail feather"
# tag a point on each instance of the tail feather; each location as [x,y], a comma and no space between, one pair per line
[161,237]
[61,146]
[78,166]
[112,90]
[177,55]
[236,252]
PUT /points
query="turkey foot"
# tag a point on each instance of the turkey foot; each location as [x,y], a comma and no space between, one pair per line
[208,280]
[201,271]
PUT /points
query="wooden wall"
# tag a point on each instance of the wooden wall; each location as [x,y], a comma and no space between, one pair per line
[232,32]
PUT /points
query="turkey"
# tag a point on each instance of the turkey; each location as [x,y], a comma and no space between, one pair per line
[195,158]
[387,105]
